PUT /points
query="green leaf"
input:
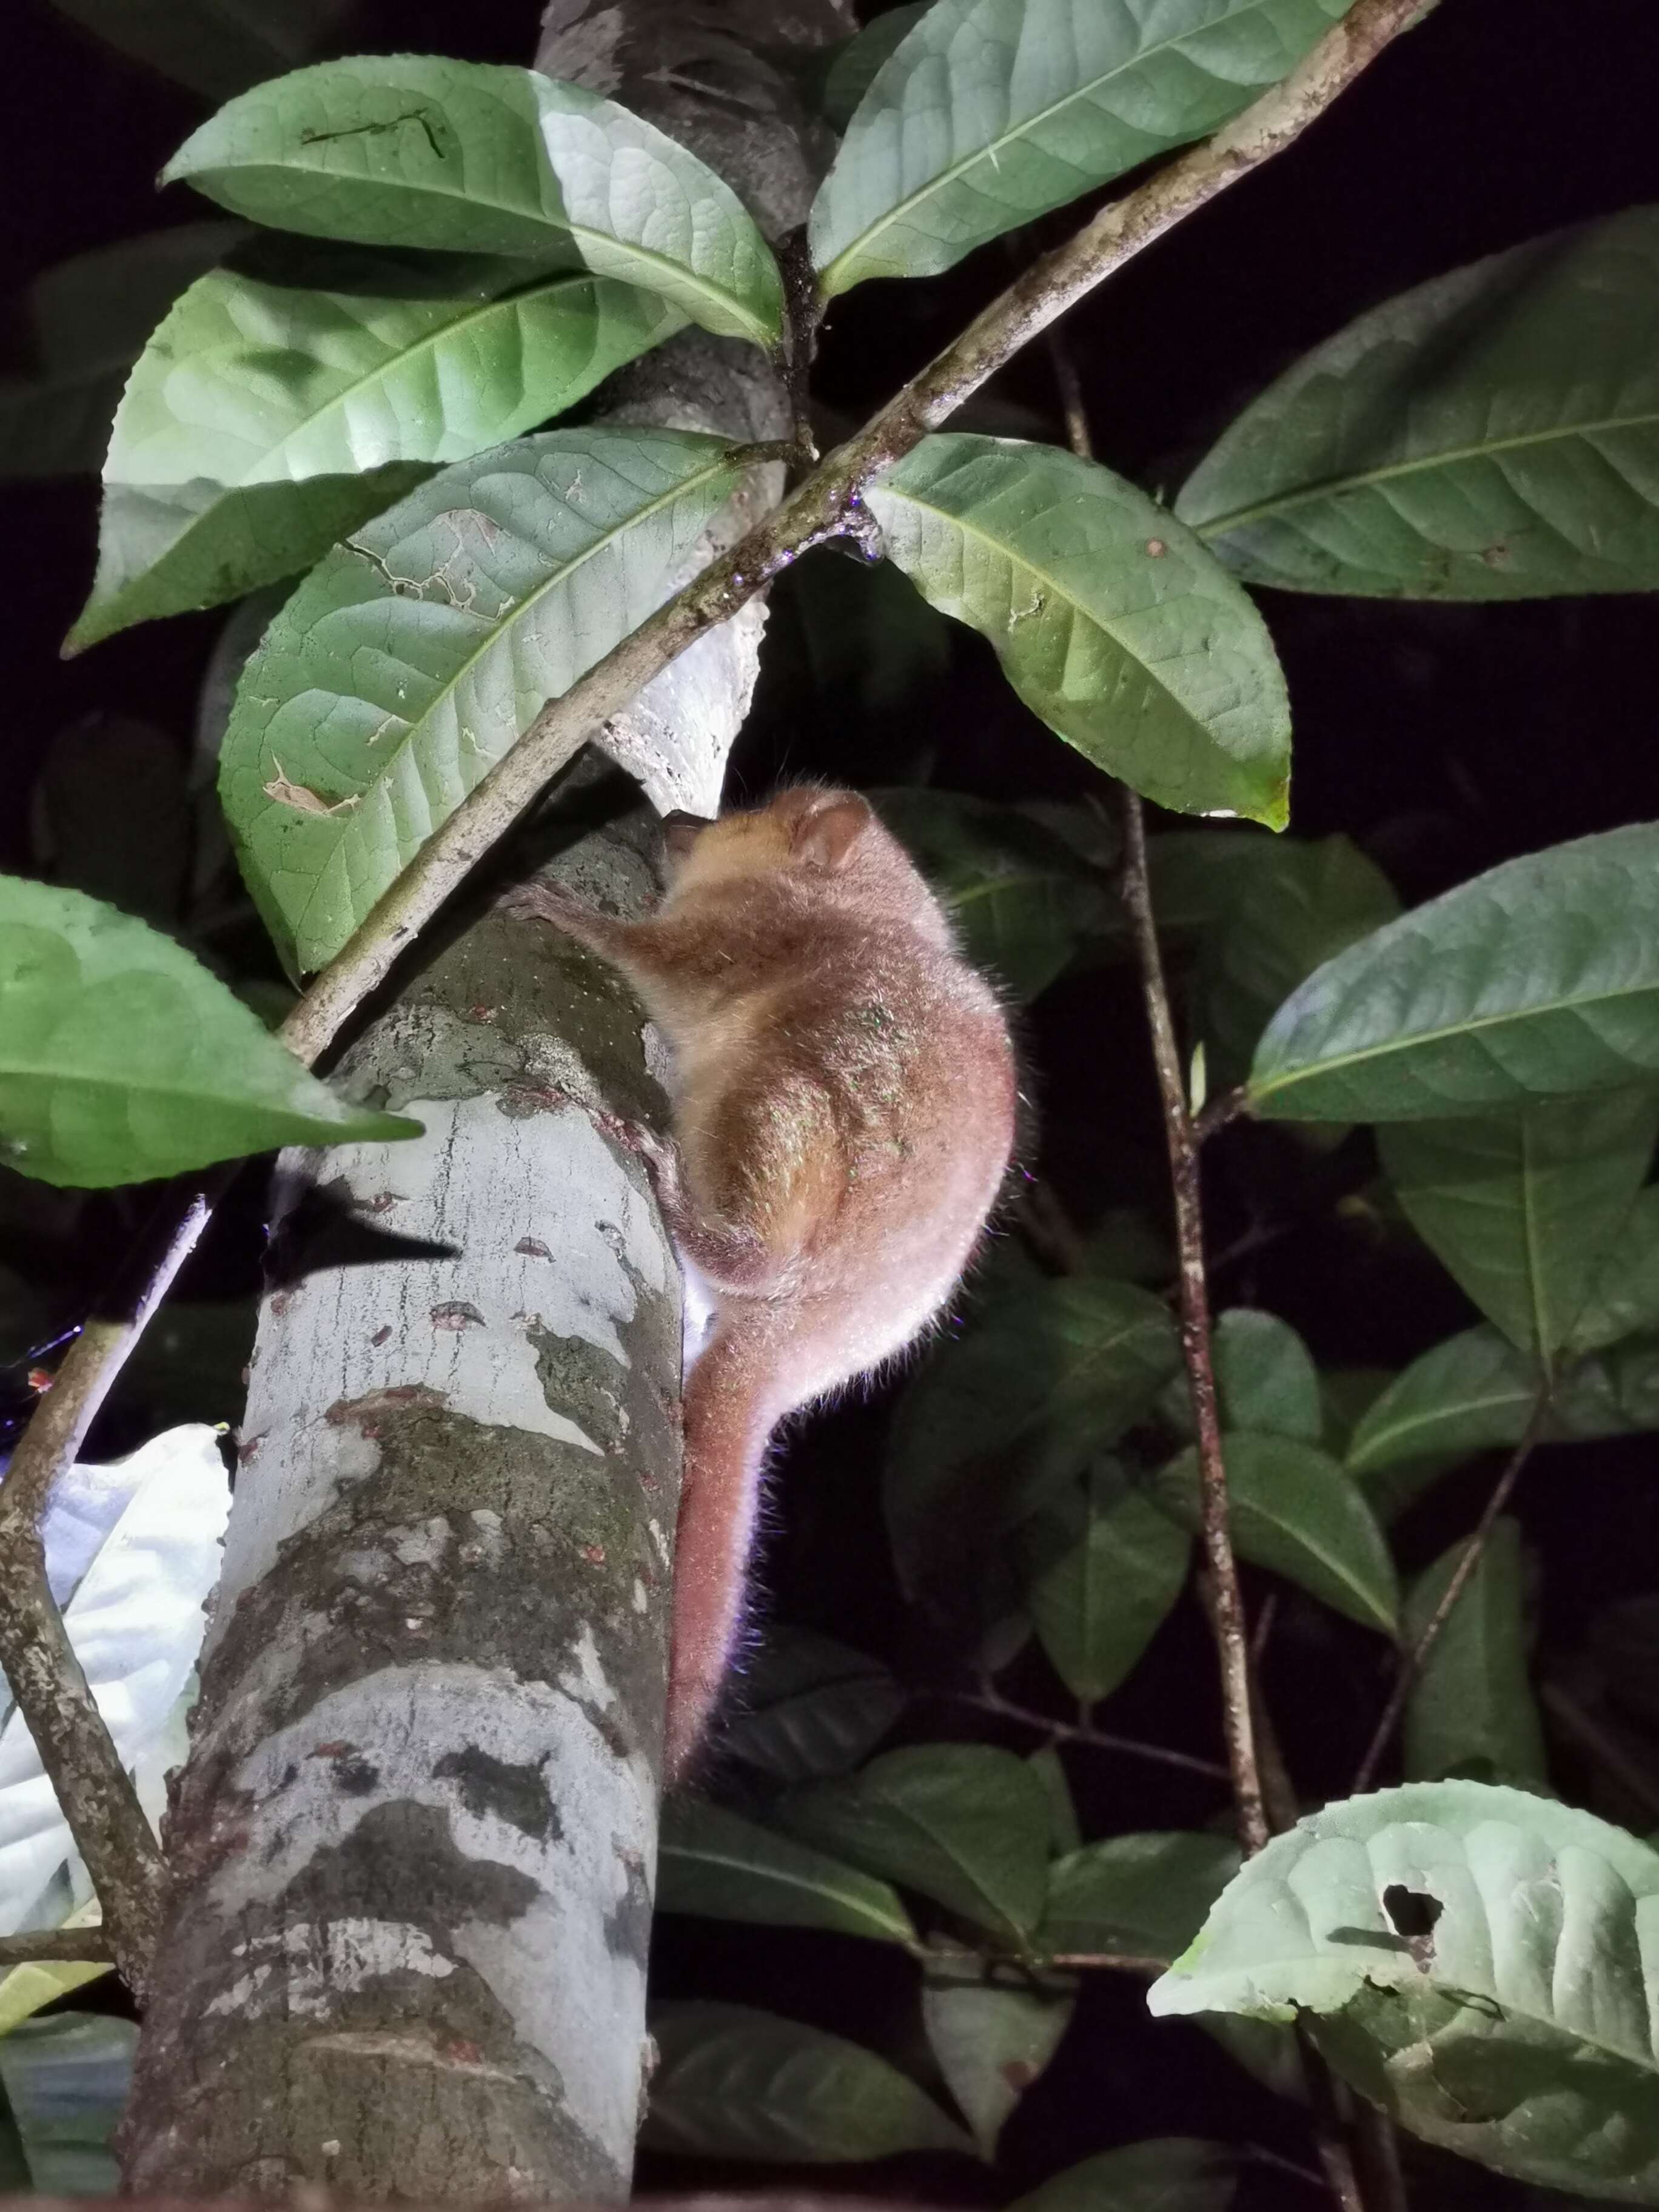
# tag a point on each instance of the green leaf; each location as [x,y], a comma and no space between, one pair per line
[1103,1567]
[88,320]
[1298,1511]
[1197,874]
[852,64]
[1540,979]
[1168,2173]
[1051,1374]
[1623,1296]
[811,1706]
[1472,1711]
[732,2082]
[991,111]
[1523,1209]
[216,47]
[1476,1959]
[264,421]
[419,150]
[26,1990]
[993,2035]
[1111,622]
[1021,899]
[963,1824]
[410,660]
[725,1868]
[1064,1832]
[1134,1897]
[65,2081]
[122,1059]
[1300,905]
[1493,435]
[1265,1378]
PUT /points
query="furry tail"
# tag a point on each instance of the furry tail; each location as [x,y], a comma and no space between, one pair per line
[731,1409]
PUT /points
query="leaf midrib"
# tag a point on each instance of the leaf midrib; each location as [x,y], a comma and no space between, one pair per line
[1456,1410]
[703,1854]
[135,1086]
[991,150]
[1366,479]
[1244,1504]
[722,461]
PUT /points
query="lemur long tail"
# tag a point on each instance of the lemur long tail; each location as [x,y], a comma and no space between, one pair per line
[731,1408]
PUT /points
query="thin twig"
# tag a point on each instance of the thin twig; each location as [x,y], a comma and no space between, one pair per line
[1601,1746]
[1094,1739]
[1412,1662]
[51,1692]
[73,1946]
[1103,1962]
[1226,1106]
[1259,2154]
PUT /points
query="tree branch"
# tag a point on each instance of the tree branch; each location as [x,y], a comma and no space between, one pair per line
[1412,1662]
[51,1691]
[73,1947]
[1093,1739]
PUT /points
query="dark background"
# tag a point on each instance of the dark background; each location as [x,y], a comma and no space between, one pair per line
[1442,739]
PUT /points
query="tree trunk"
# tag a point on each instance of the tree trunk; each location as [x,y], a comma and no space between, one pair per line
[413,1846]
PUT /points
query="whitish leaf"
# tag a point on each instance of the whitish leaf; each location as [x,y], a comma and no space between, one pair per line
[1110,621]
[718,1864]
[1623,1296]
[1102,1569]
[1296,1510]
[89,319]
[990,112]
[1472,1711]
[420,150]
[811,1707]
[132,1553]
[216,47]
[851,66]
[1134,1897]
[410,661]
[1021,899]
[1275,922]
[1522,1209]
[1053,1373]
[1476,1957]
[264,421]
[1266,1376]
[121,1058]
[731,2082]
[1064,1832]
[962,1823]
[1493,435]
[1170,2173]
[992,2034]
[1538,979]
[66,2082]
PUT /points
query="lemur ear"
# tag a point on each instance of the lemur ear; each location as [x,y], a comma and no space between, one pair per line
[680,832]
[825,837]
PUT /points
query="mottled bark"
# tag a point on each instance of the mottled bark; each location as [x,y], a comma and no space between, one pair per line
[414,1848]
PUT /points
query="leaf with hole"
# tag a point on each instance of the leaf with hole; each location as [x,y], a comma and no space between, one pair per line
[412,659]
[717,1864]
[1134,1897]
[993,2032]
[466,157]
[732,2082]
[1538,979]
[1475,1960]
[992,112]
[89,319]
[122,1059]
[964,1824]
[1493,435]
[1167,2173]
[1111,622]
[1050,1373]
[1471,1711]
[1295,1510]
[1102,1568]
[1021,899]
[267,419]
[1522,1209]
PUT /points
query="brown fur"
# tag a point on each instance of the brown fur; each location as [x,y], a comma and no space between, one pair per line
[844,1110]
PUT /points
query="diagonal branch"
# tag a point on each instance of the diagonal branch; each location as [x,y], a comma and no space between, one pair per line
[50,1693]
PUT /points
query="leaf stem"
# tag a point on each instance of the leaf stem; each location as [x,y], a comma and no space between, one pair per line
[1412,1662]
[991,1701]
